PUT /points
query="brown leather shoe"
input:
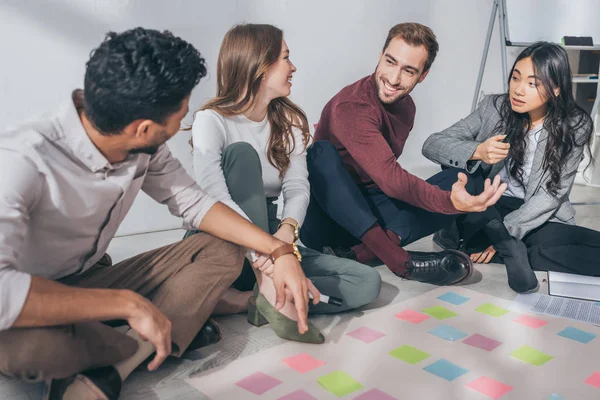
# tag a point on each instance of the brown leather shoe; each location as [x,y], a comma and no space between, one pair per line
[209,334]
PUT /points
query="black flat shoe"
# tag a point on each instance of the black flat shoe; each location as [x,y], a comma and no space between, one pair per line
[209,334]
[447,267]
[94,384]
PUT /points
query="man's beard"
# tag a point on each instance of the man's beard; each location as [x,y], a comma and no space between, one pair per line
[145,150]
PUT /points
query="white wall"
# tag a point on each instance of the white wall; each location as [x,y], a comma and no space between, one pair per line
[333,43]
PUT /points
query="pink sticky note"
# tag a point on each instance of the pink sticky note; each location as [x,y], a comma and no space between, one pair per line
[375,394]
[530,321]
[303,362]
[258,383]
[482,342]
[412,316]
[297,395]
[594,379]
[489,387]
[365,334]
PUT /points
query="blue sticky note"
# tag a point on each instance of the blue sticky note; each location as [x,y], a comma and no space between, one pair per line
[555,397]
[447,332]
[453,298]
[446,370]
[577,334]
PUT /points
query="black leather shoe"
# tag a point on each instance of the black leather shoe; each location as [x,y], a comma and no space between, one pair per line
[447,238]
[209,334]
[94,384]
[341,252]
[447,267]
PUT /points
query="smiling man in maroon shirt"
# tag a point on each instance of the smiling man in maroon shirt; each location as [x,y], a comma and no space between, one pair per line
[364,205]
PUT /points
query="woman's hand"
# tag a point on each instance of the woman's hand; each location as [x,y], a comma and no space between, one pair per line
[485,256]
[492,150]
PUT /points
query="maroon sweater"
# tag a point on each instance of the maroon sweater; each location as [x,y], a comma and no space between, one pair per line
[370,136]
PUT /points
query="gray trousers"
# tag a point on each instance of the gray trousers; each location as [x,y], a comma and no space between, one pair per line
[355,283]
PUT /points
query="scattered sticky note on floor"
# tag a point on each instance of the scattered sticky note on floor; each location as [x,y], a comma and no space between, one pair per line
[577,334]
[439,312]
[531,356]
[298,395]
[482,342]
[446,370]
[454,298]
[447,332]
[375,394]
[554,396]
[303,362]
[339,383]
[365,334]
[594,379]
[530,321]
[412,316]
[409,354]
[489,387]
[258,383]
[490,309]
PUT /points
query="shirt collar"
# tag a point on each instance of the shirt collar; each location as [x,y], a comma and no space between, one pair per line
[75,136]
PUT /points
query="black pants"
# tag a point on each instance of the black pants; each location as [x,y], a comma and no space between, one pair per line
[551,247]
[340,212]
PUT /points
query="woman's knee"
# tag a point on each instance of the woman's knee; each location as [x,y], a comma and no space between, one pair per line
[240,155]
[368,286]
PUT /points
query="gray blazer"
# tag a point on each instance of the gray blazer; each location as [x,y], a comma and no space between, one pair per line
[455,145]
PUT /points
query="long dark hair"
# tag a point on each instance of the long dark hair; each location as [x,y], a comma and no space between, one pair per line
[563,121]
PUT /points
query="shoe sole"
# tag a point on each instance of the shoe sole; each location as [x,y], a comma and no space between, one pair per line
[470,266]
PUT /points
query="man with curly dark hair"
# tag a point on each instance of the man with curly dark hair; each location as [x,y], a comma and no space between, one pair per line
[67,181]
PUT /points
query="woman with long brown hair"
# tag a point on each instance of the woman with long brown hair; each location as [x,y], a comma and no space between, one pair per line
[249,146]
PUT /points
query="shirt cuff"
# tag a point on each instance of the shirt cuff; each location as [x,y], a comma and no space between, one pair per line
[14,289]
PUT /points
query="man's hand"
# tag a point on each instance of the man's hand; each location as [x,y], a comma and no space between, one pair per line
[485,256]
[492,150]
[152,325]
[463,201]
[288,274]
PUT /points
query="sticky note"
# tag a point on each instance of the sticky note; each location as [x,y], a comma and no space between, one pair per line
[530,321]
[482,342]
[489,387]
[339,383]
[412,316]
[303,362]
[409,354]
[439,312]
[258,383]
[531,356]
[577,334]
[490,309]
[554,396]
[454,298]
[594,379]
[365,334]
[446,370]
[297,395]
[447,332]
[375,394]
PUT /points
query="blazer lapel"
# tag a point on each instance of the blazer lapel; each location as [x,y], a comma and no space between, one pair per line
[537,173]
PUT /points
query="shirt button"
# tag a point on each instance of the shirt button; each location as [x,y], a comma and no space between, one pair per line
[451,161]
[456,163]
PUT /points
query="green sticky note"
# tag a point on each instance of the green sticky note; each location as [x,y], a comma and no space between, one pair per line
[490,309]
[439,312]
[409,354]
[339,383]
[531,356]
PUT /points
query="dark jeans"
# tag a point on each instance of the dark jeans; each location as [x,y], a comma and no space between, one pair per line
[551,247]
[340,212]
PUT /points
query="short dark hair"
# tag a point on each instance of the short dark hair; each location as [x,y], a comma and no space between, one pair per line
[415,34]
[139,74]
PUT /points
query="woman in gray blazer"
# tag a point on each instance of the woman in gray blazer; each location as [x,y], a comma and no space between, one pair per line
[534,137]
